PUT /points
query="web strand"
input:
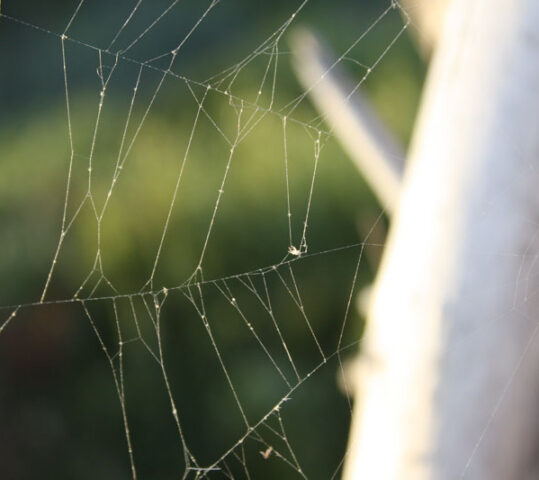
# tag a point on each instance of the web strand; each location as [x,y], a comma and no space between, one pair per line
[152,307]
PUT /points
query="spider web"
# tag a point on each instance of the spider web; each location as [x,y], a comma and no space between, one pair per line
[175,271]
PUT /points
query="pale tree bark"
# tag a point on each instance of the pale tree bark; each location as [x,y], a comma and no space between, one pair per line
[427,17]
[450,382]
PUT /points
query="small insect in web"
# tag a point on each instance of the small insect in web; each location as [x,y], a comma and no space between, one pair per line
[294,251]
[266,453]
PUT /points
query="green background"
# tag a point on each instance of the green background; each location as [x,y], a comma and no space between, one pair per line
[59,411]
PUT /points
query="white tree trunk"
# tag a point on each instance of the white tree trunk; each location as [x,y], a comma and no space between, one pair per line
[450,387]
[427,16]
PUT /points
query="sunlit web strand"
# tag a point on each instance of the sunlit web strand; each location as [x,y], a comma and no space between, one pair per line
[246,103]
[257,271]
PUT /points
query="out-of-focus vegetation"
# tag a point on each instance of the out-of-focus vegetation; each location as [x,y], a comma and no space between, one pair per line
[60,414]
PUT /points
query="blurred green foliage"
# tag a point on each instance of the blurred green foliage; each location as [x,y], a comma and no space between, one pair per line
[59,408]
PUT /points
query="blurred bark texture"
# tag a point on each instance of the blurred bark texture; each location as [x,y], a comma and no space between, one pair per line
[450,360]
